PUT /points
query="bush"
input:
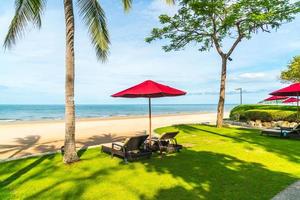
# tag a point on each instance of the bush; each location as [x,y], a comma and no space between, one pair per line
[264,113]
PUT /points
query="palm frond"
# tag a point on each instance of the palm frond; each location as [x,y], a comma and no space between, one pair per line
[94,17]
[127,4]
[26,11]
[171,2]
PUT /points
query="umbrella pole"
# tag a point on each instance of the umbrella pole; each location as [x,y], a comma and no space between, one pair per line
[297,107]
[150,129]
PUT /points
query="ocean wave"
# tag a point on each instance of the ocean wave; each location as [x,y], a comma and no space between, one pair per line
[9,120]
[11,113]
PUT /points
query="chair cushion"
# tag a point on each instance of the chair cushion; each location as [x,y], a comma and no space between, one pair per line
[108,146]
[117,147]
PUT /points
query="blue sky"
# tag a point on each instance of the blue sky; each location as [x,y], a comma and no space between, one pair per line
[33,71]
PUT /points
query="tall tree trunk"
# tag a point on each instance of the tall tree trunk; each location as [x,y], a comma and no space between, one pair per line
[222,93]
[70,154]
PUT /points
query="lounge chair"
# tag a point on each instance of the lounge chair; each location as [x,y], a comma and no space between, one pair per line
[131,149]
[166,143]
[283,132]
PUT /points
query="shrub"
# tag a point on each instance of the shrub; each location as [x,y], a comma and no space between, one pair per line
[264,113]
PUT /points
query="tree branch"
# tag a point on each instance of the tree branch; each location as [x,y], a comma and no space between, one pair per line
[237,41]
[215,39]
[217,45]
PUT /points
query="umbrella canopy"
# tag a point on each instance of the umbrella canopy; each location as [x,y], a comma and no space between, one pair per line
[291,90]
[149,89]
[290,100]
[274,98]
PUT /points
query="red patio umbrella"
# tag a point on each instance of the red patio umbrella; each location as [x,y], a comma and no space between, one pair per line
[274,98]
[149,89]
[291,90]
[290,100]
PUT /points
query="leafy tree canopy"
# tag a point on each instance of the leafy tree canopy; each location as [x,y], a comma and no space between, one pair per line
[209,22]
[292,74]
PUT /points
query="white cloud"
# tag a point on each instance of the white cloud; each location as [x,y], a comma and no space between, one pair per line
[257,75]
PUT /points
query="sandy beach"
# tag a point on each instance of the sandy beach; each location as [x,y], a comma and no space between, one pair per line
[18,139]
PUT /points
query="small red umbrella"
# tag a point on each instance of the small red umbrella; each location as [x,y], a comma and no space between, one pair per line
[274,98]
[149,89]
[290,100]
[291,90]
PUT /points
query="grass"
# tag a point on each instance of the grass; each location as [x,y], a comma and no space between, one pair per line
[245,107]
[227,163]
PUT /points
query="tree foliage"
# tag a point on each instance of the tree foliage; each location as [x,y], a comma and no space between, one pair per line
[292,73]
[208,22]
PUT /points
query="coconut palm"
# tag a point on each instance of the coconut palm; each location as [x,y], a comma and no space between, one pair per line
[30,11]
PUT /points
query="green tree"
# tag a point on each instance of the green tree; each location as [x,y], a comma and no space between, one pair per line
[208,23]
[292,73]
[93,16]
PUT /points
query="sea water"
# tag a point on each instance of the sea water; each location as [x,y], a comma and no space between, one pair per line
[51,112]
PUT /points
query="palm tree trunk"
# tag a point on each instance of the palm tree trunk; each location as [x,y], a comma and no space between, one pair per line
[222,93]
[70,154]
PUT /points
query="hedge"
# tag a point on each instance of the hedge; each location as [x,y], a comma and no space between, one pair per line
[264,113]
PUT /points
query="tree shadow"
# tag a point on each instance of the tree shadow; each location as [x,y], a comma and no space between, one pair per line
[45,148]
[197,175]
[20,149]
[176,192]
[251,136]
[211,175]
[22,145]
[24,170]
[77,190]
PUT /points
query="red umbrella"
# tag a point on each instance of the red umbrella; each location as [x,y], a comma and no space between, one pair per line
[273,98]
[290,100]
[149,89]
[291,90]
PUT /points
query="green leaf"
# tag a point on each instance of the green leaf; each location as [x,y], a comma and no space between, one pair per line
[27,11]
[94,17]
[292,73]
[127,4]
[207,23]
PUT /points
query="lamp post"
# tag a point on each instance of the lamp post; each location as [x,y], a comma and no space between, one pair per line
[241,95]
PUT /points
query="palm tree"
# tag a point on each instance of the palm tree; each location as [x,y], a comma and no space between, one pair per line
[30,11]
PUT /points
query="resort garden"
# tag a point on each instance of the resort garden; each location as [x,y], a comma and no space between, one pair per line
[216,163]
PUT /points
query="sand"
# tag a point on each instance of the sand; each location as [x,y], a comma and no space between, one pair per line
[19,139]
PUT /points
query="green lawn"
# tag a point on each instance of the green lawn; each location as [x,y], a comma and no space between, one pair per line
[228,163]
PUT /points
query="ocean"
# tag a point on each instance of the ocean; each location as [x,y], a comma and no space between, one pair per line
[51,112]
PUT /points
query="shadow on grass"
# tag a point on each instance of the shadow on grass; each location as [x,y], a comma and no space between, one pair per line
[282,147]
[197,175]
[193,174]
[77,190]
[216,176]
[13,177]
